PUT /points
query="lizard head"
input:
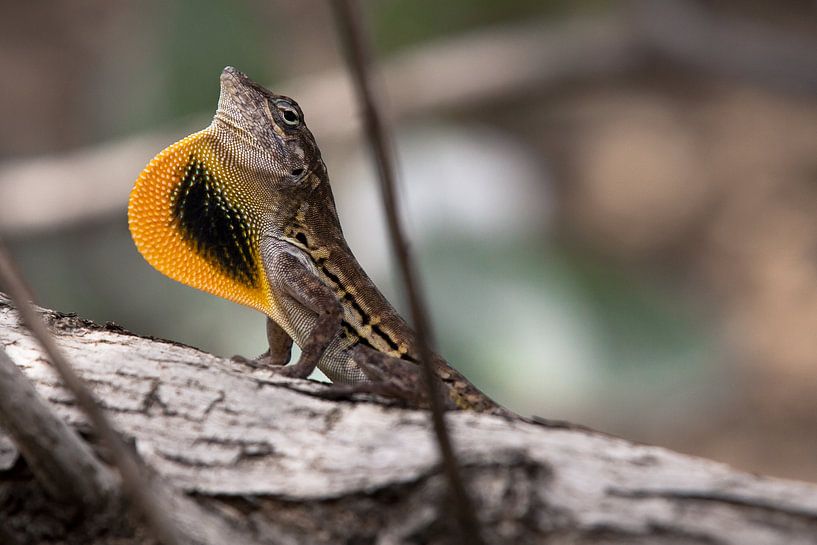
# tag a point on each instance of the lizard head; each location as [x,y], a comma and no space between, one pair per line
[268,129]
[199,209]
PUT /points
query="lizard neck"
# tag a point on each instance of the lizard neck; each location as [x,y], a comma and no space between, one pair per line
[368,317]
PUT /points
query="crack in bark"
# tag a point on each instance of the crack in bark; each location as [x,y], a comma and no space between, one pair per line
[331,418]
[185,460]
[610,534]
[716,497]
[152,398]
[212,404]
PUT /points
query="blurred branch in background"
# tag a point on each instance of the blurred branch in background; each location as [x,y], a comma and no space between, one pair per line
[48,192]
[731,47]
[465,72]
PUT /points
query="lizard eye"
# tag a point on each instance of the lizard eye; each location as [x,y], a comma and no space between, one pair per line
[290,116]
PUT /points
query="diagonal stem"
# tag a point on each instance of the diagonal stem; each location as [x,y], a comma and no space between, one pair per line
[357,49]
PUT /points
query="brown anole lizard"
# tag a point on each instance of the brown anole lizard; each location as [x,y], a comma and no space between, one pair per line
[243,210]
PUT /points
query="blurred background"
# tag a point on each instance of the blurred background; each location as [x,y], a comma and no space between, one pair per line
[612,203]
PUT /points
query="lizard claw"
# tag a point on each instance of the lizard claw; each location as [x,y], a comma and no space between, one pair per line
[291,371]
[260,362]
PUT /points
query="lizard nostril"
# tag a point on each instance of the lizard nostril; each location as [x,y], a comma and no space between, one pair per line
[297,171]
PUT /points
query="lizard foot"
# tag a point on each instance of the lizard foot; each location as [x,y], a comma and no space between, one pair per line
[261,362]
[292,371]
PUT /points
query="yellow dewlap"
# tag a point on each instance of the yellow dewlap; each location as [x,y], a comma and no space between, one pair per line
[155,226]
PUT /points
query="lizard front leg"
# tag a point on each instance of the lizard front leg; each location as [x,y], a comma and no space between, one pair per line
[280,345]
[278,353]
[291,278]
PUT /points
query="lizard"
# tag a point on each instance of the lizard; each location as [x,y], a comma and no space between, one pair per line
[243,210]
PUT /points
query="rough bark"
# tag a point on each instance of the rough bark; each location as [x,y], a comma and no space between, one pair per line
[59,458]
[264,457]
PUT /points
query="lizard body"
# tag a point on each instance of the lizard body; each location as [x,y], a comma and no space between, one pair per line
[243,210]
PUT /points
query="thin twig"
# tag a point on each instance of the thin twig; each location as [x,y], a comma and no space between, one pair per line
[134,482]
[350,25]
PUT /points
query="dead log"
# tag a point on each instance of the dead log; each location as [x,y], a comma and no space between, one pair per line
[268,459]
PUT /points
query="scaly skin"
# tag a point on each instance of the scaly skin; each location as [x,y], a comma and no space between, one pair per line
[243,210]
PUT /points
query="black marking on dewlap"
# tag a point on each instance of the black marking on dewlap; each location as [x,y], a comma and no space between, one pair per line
[212,226]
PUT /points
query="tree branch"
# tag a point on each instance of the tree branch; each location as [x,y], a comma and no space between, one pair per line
[524,58]
[92,183]
[267,461]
